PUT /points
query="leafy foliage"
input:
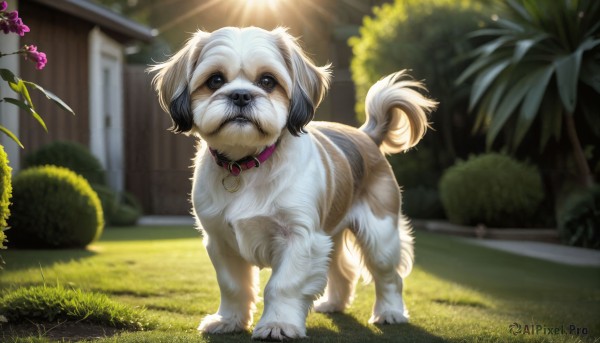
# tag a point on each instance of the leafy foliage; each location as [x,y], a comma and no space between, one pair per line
[71,155]
[11,23]
[422,203]
[5,189]
[52,304]
[491,189]
[5,196]
[108,199]
[120,209]
[416,174]
[53,207]
[128,210]
[537,63]
[401,36]
[426,37]
[579,220]
[20,87]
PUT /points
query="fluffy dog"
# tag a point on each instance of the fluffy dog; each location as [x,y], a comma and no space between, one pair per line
[273,189]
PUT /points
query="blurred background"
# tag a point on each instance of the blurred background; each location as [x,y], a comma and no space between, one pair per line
[483,60]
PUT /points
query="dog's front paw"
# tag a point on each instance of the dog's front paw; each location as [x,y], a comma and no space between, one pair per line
[389,317]
[216,323]
[277,332]
[326,306]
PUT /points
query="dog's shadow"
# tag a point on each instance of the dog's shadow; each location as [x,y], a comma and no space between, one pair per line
[349,329]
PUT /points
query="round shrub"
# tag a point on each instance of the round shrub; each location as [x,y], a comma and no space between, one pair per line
[422,203]
[120,209]
[579,220]
[5,194]
[491,189]
[53,207]
[108,199]
[128,211]
[71,155]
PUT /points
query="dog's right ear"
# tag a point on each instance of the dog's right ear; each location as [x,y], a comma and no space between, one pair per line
[171,83]
[309,82]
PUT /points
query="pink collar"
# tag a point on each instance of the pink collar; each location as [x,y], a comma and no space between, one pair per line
[248,162]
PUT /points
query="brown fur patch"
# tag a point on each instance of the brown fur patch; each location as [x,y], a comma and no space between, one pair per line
[339,196]
[371,175]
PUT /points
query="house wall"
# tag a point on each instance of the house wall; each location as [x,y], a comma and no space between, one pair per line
[157,164]
[64,39]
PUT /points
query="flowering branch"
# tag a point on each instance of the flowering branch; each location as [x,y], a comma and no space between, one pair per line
[38,57]
[10,22]
[30,53]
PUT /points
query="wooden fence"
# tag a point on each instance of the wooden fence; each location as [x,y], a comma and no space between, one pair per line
[158,162]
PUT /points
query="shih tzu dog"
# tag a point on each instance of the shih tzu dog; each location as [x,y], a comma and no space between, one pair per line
[316,202]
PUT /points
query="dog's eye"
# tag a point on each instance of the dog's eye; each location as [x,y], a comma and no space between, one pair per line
[267,82]
[215,82]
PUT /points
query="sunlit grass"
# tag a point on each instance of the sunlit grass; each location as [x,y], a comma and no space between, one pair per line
[58,303]
[457,292]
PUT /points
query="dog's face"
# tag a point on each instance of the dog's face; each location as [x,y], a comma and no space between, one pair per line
[240,87]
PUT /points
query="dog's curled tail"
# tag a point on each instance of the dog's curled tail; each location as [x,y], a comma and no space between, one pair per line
[396,113]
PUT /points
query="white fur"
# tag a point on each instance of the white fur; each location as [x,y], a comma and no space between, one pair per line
[274,220]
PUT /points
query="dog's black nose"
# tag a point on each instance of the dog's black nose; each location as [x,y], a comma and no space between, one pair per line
[241,97]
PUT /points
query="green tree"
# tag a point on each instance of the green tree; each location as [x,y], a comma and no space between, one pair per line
[540,65]
[425,37]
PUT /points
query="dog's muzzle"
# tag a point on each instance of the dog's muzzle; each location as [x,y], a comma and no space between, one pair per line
[241,97]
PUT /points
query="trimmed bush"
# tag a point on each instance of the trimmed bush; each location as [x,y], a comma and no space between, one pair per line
[108,199]
[120,209]
[579,220]
[53,207]
[422,203]
[128,211]
[5,195]
[416,172]
[491,189]
[5,189]
[2,242]
[70,155]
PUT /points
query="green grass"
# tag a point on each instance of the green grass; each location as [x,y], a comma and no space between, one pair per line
[457,291]
[57,303]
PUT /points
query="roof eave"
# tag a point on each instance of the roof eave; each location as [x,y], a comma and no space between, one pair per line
[103,17]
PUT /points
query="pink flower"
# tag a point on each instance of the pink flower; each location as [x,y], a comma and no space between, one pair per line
[10,22]
[38,57]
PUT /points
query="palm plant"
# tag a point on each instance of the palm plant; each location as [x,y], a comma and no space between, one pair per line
[546,59]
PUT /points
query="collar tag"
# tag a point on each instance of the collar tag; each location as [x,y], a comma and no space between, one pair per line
[231,183]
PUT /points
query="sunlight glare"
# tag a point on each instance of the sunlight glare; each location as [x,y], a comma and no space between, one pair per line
[272,4]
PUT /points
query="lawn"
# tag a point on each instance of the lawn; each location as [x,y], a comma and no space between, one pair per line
[457,292]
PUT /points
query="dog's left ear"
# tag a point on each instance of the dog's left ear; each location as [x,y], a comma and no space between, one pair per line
[310,82]
[171,83]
